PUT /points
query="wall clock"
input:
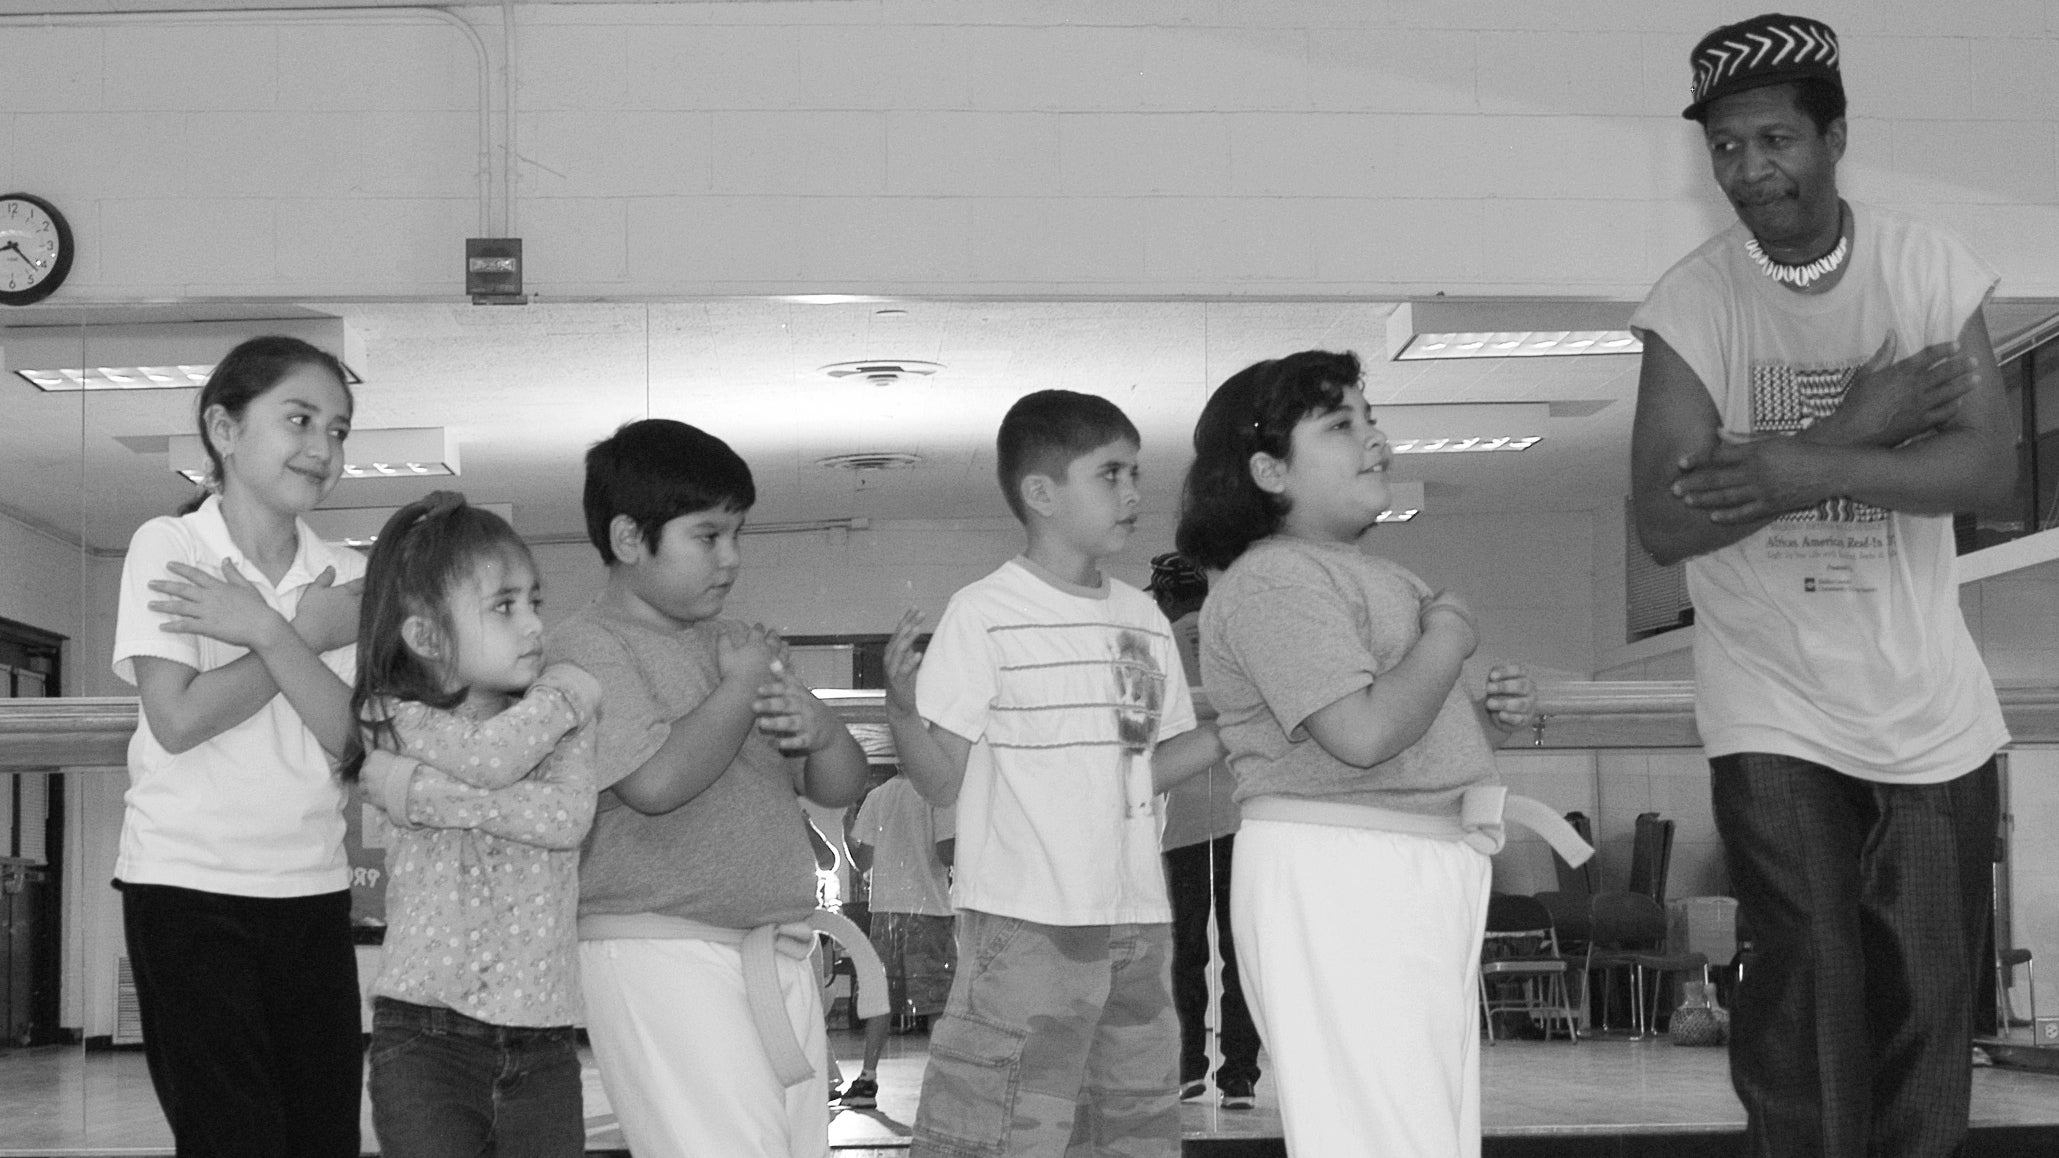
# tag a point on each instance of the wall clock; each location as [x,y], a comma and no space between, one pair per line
[35,249]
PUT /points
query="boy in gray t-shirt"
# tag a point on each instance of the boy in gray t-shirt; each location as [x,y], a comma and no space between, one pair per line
[705,741]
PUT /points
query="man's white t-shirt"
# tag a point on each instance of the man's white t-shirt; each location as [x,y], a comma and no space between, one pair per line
[1834,634]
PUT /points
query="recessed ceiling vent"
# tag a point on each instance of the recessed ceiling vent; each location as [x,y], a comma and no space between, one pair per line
[881,371]
[871,460]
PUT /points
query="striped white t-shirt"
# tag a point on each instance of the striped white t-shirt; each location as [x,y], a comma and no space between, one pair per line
[1063,691]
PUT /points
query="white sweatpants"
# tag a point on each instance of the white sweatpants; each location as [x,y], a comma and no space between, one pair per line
[681,1059]
[1359,952]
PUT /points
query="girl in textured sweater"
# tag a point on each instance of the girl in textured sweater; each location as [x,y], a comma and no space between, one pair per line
[480,757]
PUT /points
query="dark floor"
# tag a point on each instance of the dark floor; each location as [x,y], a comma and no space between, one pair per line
[1596,1099]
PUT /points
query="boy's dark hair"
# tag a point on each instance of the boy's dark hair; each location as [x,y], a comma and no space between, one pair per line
[1043,432]
[424,549]
[246,374]
[655,470]
[1222,510]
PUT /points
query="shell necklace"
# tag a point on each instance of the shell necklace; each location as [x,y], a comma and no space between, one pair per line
[1799,276]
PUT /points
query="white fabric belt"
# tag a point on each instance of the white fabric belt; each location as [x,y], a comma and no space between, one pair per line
[761,978]
[1481,821]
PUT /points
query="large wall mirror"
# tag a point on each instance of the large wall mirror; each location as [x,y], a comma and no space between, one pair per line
[868,424]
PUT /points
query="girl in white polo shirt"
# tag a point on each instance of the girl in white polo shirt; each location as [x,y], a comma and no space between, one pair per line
[237,625]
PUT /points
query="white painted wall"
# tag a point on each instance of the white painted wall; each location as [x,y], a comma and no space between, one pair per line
[1087,147]
[39,586]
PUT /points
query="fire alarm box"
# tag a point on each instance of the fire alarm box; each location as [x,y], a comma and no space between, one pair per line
[493,270]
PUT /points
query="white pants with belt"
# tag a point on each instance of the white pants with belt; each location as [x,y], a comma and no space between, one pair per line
[1360,952]
[682,1060]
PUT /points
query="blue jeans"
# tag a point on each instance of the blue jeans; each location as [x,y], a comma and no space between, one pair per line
[449,1086]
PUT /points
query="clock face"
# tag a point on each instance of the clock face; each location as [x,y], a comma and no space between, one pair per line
[35,249]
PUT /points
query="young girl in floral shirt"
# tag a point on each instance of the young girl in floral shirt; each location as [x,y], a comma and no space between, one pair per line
[481,758]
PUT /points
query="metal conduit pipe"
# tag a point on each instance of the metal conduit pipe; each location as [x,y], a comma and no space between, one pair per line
[311,13]
[507,107]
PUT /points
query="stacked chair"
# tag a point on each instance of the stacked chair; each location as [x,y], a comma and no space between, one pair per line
[1629,932]
[1607,930]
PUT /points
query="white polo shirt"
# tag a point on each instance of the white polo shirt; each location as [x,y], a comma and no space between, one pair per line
[256,811]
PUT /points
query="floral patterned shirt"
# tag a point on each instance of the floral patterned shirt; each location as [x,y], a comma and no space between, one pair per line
[482,885]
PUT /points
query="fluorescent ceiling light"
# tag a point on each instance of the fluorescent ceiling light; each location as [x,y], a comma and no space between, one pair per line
[360,526]
[401,452]
[1463,445]
[1457,427]
[1508,328]
[117,355]
[1406,499]
[117,378]
[830,299]
[1519,344]
[131,378]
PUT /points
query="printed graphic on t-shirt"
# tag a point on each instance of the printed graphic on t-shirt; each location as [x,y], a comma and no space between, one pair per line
[1139,692]
[1840,546]
[1787,400]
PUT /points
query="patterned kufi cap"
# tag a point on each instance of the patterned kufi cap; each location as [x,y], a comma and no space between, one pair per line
[1769,49]
[1175,579]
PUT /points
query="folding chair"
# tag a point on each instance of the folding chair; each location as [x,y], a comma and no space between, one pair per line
[1629,932]
[1521,970]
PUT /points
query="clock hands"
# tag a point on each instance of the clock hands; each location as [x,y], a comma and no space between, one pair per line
[16,247]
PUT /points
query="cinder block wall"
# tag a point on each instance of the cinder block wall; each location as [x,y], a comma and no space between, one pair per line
[1154,147]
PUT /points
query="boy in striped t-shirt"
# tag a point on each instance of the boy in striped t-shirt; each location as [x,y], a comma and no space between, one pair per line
[1052,709]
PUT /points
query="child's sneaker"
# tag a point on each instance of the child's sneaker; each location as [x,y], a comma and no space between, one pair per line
[1191,1090]
[861,1094]
[1237,1094]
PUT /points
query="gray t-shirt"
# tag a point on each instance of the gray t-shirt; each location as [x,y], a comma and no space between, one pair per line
[1293,627]
[736,856]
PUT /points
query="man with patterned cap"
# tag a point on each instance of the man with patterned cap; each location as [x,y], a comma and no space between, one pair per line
[1818,396]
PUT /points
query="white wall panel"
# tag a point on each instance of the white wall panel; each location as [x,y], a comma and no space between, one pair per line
[1485,148]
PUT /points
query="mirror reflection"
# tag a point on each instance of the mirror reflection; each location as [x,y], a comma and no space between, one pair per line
[868,430]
